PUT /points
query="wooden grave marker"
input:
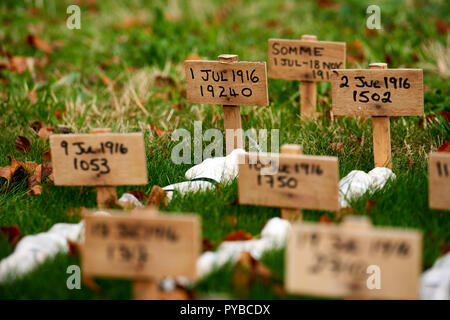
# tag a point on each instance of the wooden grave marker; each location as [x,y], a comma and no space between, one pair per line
[342,260]
[307,60]
[378,93]
[143,246]
[230,83]
[439,180]
[100,159]
[290,181]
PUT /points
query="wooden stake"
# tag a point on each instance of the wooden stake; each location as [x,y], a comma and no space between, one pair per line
[145,289]
[308,92]
[231,115]
[105,195]
[381,134]
[288,213]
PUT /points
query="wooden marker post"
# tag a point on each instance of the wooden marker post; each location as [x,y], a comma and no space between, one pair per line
[230,83]
[439,180]
[379,93]
[287,213]
[105,195]
[308,91]
[231,116]
[142,247]
[353,260]
[101,159]
[381,131]
[289,180]
[307,60]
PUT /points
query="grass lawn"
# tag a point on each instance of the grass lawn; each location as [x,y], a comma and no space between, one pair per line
[124,70]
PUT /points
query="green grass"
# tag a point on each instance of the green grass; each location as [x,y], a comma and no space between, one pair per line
[164,36]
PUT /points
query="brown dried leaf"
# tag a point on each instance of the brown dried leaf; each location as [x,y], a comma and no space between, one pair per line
[238,235]
[160,132]
[75,212]
[23,144]
[445,147]
[158,197]
[74,247]
[13,233]
[370,204]
[32,96]
[162,81]
[47,171]
[38,43]
[207,245]
[21,64]
[47,156]
[247,270]
[343,212]
[45,132]
[139,194]
[106,81]
[12,172]
[34,182]
[127,23]
[442,26]
[325,219]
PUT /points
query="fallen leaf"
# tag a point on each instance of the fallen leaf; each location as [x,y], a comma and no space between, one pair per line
[75,212]
[58,114]
[325,219]
[355,51]
[427,120]
[445,147]
[162,81]
[158,197]
[34,182]
[207,245]
[370,204]
[106,81]
[139,194]
[442,26]
[238,235]
[47,156]
[247,271]
[23,144]
[32,96]
[13,172]
[272,23]
[13,233]
[160,132]
[21,64]
[74,247]
[127,23]
[38,43]
[328,4]
[445,115]
[47,171]
[90,283]
[110,61]
[445,248]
